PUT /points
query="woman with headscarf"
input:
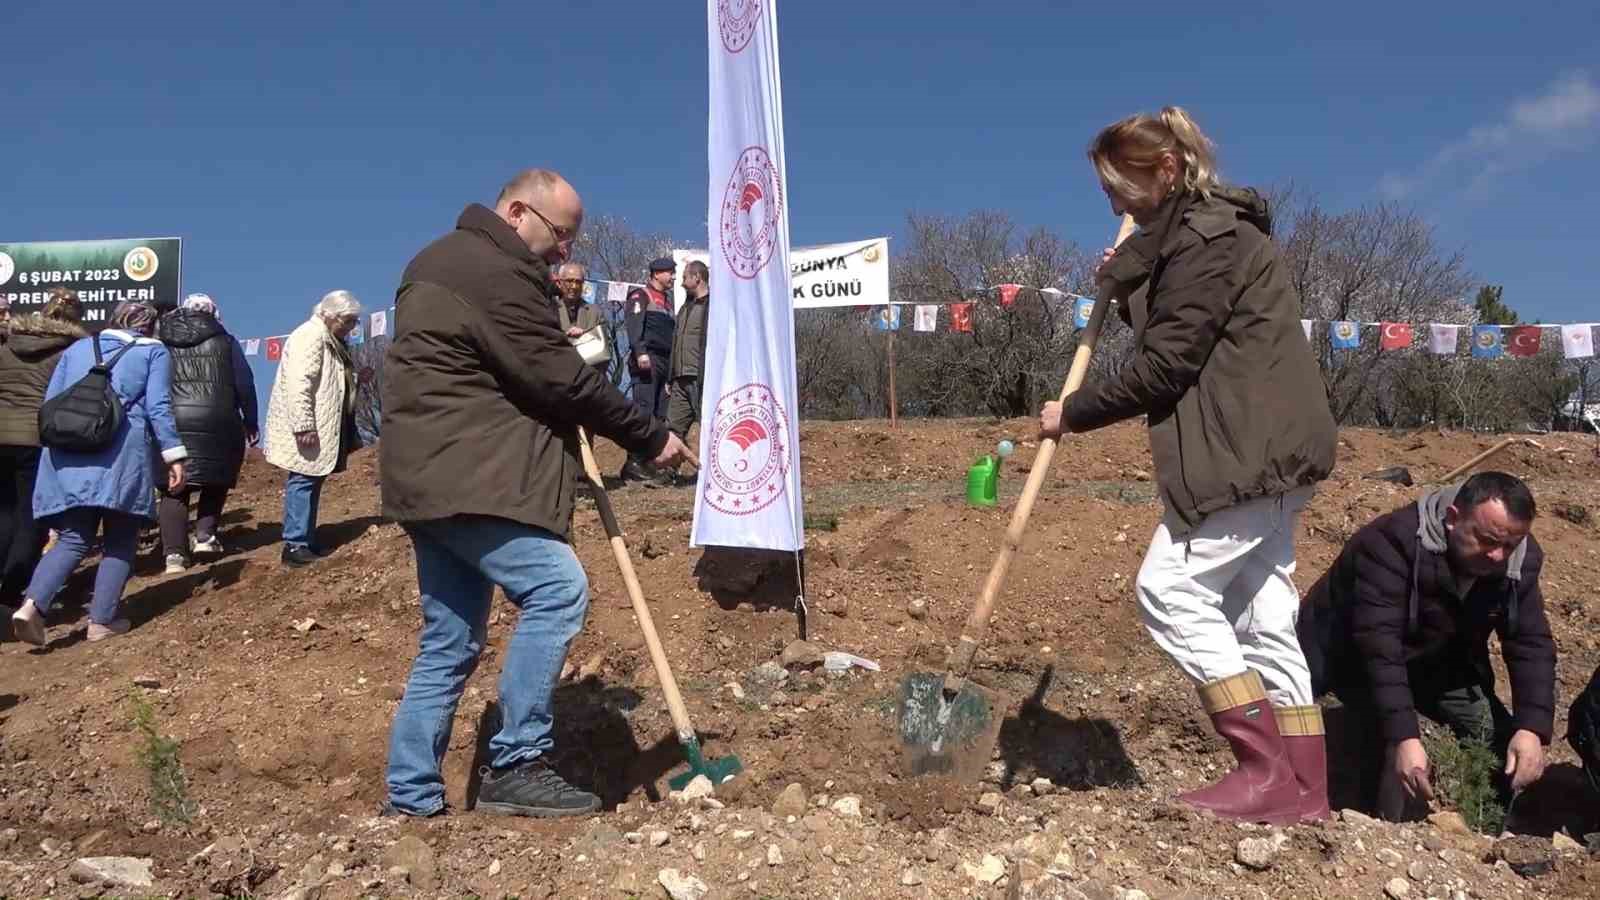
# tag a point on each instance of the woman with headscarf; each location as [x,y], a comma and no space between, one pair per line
[214,402]
[79,493]
[30,348]
[311,426]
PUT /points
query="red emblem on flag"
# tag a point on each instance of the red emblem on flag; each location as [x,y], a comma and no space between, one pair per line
[1008,294]
[737,20]
[749,451]
[961,317]
[1396,336]
[752,210]
[1523,340]
[274,349]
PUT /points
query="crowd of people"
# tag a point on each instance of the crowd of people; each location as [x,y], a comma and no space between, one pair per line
[492,371]
[104,435]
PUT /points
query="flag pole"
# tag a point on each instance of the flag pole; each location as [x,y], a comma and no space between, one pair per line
[893,405]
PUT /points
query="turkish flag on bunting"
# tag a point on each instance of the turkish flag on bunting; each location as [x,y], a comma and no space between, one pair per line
[1008,294]
[274,349]
[961,317]
[1523,340]
[1396,336]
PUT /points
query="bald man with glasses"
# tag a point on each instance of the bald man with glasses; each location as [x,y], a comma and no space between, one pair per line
[480,453]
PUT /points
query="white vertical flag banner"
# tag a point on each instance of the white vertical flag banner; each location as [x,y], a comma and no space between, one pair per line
[616,292]
[1577,341]
[380,323]
[1442,338]
[749,490]
[927,317]
[1305,325]
[252,346]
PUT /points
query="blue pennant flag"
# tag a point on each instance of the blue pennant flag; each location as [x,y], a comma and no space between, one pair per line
[356,338]
[887,319]
[1081,308]
[1486,341]
[588,291]
[1344,335]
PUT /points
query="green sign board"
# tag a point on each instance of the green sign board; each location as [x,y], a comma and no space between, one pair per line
[104,273]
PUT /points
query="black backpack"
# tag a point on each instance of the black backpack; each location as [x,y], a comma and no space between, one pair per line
[86,416]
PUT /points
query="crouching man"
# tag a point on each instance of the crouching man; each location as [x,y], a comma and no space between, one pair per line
[1400,626]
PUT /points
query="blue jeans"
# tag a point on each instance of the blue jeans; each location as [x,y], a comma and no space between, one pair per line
[76,529]
[459,562]
[302,494]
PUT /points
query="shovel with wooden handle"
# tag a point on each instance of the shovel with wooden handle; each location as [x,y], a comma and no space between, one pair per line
[718,770]
[1483,457]
[947,724]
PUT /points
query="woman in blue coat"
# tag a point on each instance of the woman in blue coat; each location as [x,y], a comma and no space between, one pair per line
[79,493]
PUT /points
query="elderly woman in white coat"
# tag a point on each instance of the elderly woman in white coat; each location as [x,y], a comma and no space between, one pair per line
[311,419]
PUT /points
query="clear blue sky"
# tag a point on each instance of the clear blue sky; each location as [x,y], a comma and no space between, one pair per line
[300,147]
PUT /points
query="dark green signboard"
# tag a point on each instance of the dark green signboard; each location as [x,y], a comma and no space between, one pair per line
[104,273]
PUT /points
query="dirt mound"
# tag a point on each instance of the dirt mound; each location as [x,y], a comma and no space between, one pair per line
[278,686]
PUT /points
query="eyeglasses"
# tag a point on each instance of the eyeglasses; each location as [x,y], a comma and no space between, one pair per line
[562,235]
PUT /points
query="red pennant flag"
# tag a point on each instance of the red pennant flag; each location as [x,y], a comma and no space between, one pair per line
[1523,340]
[274,349]
[961,317]
[1008,295]
[1396,336]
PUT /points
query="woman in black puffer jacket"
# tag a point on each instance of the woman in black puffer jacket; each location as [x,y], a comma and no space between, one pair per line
[214,401]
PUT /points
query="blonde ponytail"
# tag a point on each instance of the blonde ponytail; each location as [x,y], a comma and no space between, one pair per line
[1139,142]
[1198,152]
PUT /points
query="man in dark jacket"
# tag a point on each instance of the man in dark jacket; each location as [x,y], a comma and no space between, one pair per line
[214,402]
[30,347]
[689,351]
[482,401]
[647,318]
[1399,625]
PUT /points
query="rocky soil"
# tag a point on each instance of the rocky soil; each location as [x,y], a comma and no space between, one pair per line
[278,686]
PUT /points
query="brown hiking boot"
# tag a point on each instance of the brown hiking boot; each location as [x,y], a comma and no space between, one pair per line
[1304,742]
[1262,788]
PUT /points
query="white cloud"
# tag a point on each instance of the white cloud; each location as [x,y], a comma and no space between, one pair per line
[1564,116]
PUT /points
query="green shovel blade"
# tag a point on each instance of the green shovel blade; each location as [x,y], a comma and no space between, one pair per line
[941,733]
[718,770]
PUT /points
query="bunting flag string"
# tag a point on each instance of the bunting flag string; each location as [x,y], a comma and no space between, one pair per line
[1576,340]
[1487,341]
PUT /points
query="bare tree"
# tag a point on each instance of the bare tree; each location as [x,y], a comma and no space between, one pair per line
[1014,357]
[368,358]
[615,251]
[1374,264]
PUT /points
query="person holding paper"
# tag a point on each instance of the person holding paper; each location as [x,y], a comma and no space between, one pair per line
[579,318]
